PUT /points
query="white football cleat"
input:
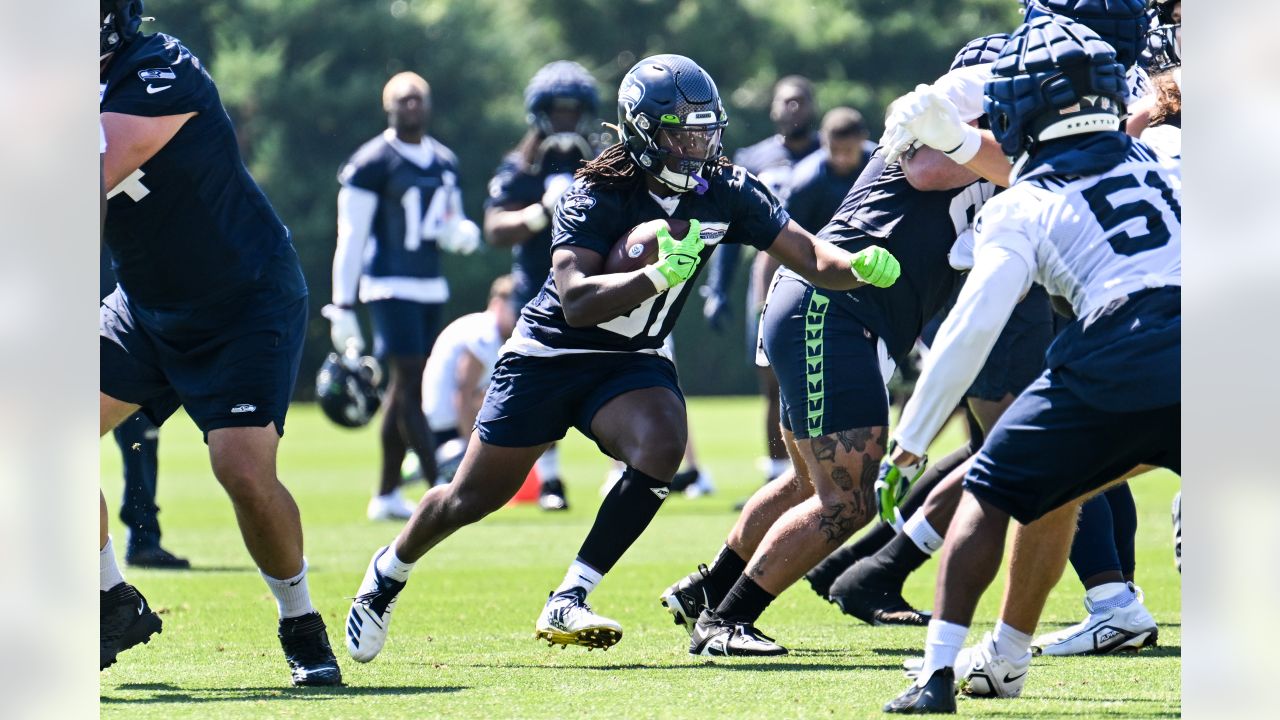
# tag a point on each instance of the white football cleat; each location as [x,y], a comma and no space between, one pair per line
[567,619]
[370,614]
[992,675]
[1105,630]
[391,506]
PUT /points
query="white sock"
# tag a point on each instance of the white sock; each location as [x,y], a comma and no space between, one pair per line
[1110,595]
[109,574]
[922,533]
[390,565]
[941,646]
[548,464]
[292,597]
[1009,641]
[580,575]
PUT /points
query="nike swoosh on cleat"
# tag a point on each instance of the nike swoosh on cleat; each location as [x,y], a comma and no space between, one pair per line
[1009,679]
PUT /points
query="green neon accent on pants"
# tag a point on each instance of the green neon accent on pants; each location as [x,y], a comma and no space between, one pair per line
[815,320]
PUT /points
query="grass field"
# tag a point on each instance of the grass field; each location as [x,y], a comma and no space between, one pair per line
[462,646]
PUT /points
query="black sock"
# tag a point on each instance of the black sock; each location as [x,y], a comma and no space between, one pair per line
[624,514]
[745,602]
[723,573]
[897,560]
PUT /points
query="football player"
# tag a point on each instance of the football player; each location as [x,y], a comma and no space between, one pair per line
[399,191]
[820,181]
[832,353]
[587,352]
[1094,216]
[794,113]
[210,311]
[560,103]
[458,371]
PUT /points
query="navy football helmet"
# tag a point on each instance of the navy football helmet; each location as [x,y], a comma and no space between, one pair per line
[560,81]
[980,51]
[671,120]
[1120,23]
[347,388]
[1164,38]
[1055,78]
[121,20]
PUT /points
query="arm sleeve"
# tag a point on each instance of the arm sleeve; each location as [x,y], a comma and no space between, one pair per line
[998,279]
[757,214]
[356,208]
[964,87]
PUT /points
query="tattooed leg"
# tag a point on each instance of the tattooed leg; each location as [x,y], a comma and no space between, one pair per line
[842,468]
[769,503]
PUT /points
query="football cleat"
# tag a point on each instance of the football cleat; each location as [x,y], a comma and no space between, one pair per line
[992,675]
[935,697]
[1104,630]
[824,574]
[567,619]
[551,495]
[124,620]
[686,599]
[964,662]
[716,637]
[391,506]
[155,557]
[370,615]
[874,601]
[306,649]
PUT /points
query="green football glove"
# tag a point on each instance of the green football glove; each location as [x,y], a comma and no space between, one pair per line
[875,266]
[678,259]
[893,484]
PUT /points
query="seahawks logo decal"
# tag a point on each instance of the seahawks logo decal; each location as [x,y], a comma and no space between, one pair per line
[156,74]
[575,203]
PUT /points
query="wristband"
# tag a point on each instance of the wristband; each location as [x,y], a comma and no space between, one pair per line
[968,147]
[657,278]
[535,217]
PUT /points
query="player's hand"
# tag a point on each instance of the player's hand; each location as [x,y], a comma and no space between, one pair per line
[875,266]
[897,139]
[935,121]
[715,309]
[554,187]
[461,239]
[678,259]
[344,329]
[895,481]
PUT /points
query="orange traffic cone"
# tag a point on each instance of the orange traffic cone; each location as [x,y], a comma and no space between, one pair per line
[528,492]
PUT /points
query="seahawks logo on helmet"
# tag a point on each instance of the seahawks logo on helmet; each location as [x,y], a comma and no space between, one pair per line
[347,389]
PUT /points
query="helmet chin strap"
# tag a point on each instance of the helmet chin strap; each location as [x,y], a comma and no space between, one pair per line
[681,182]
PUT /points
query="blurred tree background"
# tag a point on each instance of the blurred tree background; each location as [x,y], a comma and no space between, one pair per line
[302,80]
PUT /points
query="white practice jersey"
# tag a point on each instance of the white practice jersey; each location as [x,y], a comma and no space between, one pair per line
[477,334]
[1093,239]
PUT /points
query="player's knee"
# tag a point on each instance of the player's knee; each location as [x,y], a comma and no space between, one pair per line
[657,454]
[469,506]
[240,476]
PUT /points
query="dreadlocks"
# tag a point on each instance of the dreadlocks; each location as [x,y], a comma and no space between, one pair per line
[611,168]
[614,168]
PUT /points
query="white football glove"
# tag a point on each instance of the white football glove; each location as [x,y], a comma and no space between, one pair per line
[934,120]
[463,238]
[344,329]
[555,186]
[897,139]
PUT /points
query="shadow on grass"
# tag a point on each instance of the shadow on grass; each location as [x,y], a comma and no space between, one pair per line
[1146,652]
[166,693]
[738,664]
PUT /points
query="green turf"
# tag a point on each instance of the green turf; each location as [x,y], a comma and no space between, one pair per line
[462,641]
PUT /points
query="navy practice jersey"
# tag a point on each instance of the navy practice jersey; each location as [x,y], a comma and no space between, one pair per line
[190,226]
[736,208]
[816,192]
[512,186]
[919,228]
[416,205]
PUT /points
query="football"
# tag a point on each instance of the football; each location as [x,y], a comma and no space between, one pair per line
[639,246]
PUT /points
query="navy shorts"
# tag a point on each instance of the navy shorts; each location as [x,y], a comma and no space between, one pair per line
[1017,358]
[1051,447]
[535,400]
[831,369]
[403,327]
[229,373]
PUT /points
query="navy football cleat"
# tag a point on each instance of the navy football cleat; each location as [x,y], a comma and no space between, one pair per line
[124,620]
[306,649]
[938,696]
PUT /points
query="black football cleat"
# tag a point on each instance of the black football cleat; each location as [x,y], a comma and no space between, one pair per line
[866,595]
[686,599]
[937,697]
[824,574]
[714,636]
[124,620]
[156,558]
[551,495]
[306,649]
